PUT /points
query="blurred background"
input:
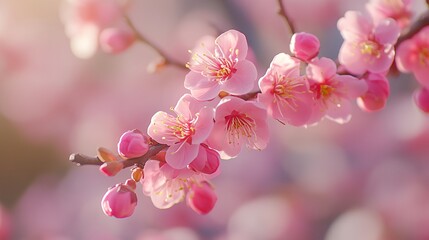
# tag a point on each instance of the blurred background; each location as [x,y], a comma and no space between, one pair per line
[366,180]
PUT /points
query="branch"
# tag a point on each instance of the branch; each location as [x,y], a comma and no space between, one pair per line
[80,159]
[144,40]
[282,12]
[422,22]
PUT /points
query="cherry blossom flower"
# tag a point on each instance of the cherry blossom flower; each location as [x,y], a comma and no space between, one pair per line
[304,46]
[220,65]
[413,56]
[399,10]
[285,92]
[201,198]
[421,98]
[182,133]
[120,201]
[331,92]
[367,47]
[84,19]
[207,160]
[238,122]
[376,96]
[133,144]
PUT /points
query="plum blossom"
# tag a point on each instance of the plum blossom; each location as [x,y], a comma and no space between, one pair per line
[237,123]
[399,10]
[201,198]
[284,91]
[376,96]
[133,144]
[207,160]
[421,98]
[116,40]
[182,133]
[120,201]
[332,92]
[367,47]
[220,65]
[413,56]
[304,46]
[84,20]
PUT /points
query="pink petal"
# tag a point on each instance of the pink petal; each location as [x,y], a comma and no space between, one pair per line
[159,131]
[354,26]
[218,140]
[232,44]
[351,87]
[201,88]
[406,56]
[321,69]
[188,106]
[203,125]
[382,63]
[243,80]
[207,161]
[339,113]
[286,65]
[350,57]
[387,32]
[422,75]
[179,155]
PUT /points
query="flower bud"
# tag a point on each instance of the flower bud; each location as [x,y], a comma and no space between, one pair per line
[137,174]
[105,155]
[5,224]
[133,144]
[119,201]
[421,98]
[304,46]
[201,197]
[111,168]
[376,96]
[114,40]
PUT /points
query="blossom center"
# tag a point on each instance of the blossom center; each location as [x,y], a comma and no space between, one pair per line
[424,56]
[370,48]
[239,125]
[323,91]
[179,128]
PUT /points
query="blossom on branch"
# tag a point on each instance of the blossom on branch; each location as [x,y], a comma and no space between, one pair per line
[399,10]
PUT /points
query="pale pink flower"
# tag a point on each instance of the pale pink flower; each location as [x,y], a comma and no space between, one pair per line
[399,10]
[207,160]
[284,91]
[376,96]
[116,40]
[201,197]
[367,47]
[421,98]
[119,201]
[220,65]
[332,93]
[84,19]
[238,122]
[304,46]
[133,144]
[413,56]
[182,133]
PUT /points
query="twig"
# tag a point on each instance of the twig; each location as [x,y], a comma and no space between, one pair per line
[422,22]
[282,12]
[80,159]
[144,40]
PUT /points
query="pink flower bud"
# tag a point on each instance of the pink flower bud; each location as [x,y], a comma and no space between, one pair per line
[111,168]
[376,96]
[304,46]
[119,201]
[421,98]
[114,40]
[201,198]
[5,224]
[133,144]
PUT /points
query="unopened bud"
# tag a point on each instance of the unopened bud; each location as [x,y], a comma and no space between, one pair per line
[119,201]
[105,155]
[421,98]
[115,40]
[304,46]
[201,198]
[376,96]
[111,168]
[133,144]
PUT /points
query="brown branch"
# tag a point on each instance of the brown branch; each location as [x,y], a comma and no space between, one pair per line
[422,22]
[80,159]
[282,12]
[246,97]
[160,52]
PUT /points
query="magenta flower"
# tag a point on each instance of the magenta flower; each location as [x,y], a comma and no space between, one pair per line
[201,198]
[413,56]
[237,123]
[421,98]
[331,92]
[182,133]
[399,10]
[207,160]
[220,65]
[376,96]
[133,144]
[304,46]
[284,91]
[367,47]
[119,201]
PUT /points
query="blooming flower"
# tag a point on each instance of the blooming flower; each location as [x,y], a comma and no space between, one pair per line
[220,65]
[133,144]
[183,133]
[237,123]
[399,10]
[284,91]
[367,47]
[119,201]
[304,46]
[413,56]
[331,92]
[376,96]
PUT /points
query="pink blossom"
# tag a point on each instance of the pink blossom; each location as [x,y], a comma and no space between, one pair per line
[201,198]
[284,91]
[111,168]
[413,56]
[238,122]
[421,98]
[133,144]
[84,19]
[304,46]
[376,96]
[220,65]
[331,92]
[116,40]
[119,201]
[207,160]
[5,224]
[183,133]
[367,47]
[399,10]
